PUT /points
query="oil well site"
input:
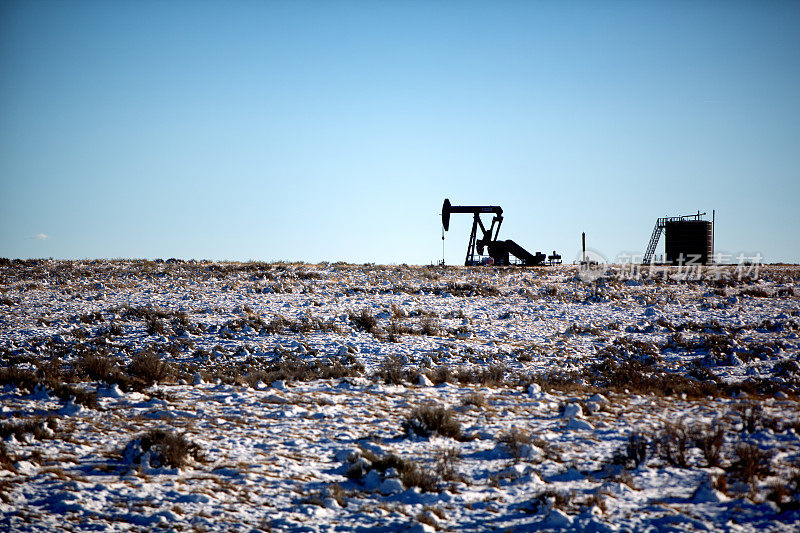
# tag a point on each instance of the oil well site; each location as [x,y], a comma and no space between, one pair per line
[196,395]
[688,241]
[399,266]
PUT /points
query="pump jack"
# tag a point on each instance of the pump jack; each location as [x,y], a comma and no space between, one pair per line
[499,251]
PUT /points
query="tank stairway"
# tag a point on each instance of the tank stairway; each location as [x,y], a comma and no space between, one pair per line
[661,223]
[651,246]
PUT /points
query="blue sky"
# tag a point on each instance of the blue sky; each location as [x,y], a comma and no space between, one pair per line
[334,130]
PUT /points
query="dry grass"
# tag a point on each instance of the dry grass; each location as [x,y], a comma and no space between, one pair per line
[474,399]
[673,444]
[364,321]
[634,452]
[165,448]
[7,459]
[751,414]
[50,379]
[710,441]
[149,367]
[515,441]
[785,493]
[447,464]
[392,372]
[430,326]
[550,498]
[98,367]
[491,376]
[430,419]
[39,428]
[411,474]
[289,368]
[751,463]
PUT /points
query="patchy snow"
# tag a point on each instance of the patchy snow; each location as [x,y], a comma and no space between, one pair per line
[232,397]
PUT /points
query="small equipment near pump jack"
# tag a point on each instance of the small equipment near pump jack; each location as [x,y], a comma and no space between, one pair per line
[498,251]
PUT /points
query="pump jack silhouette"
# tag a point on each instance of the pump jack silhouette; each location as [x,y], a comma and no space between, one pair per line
[499,251]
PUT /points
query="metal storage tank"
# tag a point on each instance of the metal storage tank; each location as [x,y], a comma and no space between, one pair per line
[690,238]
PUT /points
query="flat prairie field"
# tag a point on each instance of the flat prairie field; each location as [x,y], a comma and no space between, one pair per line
[220,396]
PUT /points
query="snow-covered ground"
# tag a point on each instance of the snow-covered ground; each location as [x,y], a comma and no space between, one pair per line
[174,395]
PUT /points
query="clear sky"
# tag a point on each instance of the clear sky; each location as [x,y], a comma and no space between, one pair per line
[333,130]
